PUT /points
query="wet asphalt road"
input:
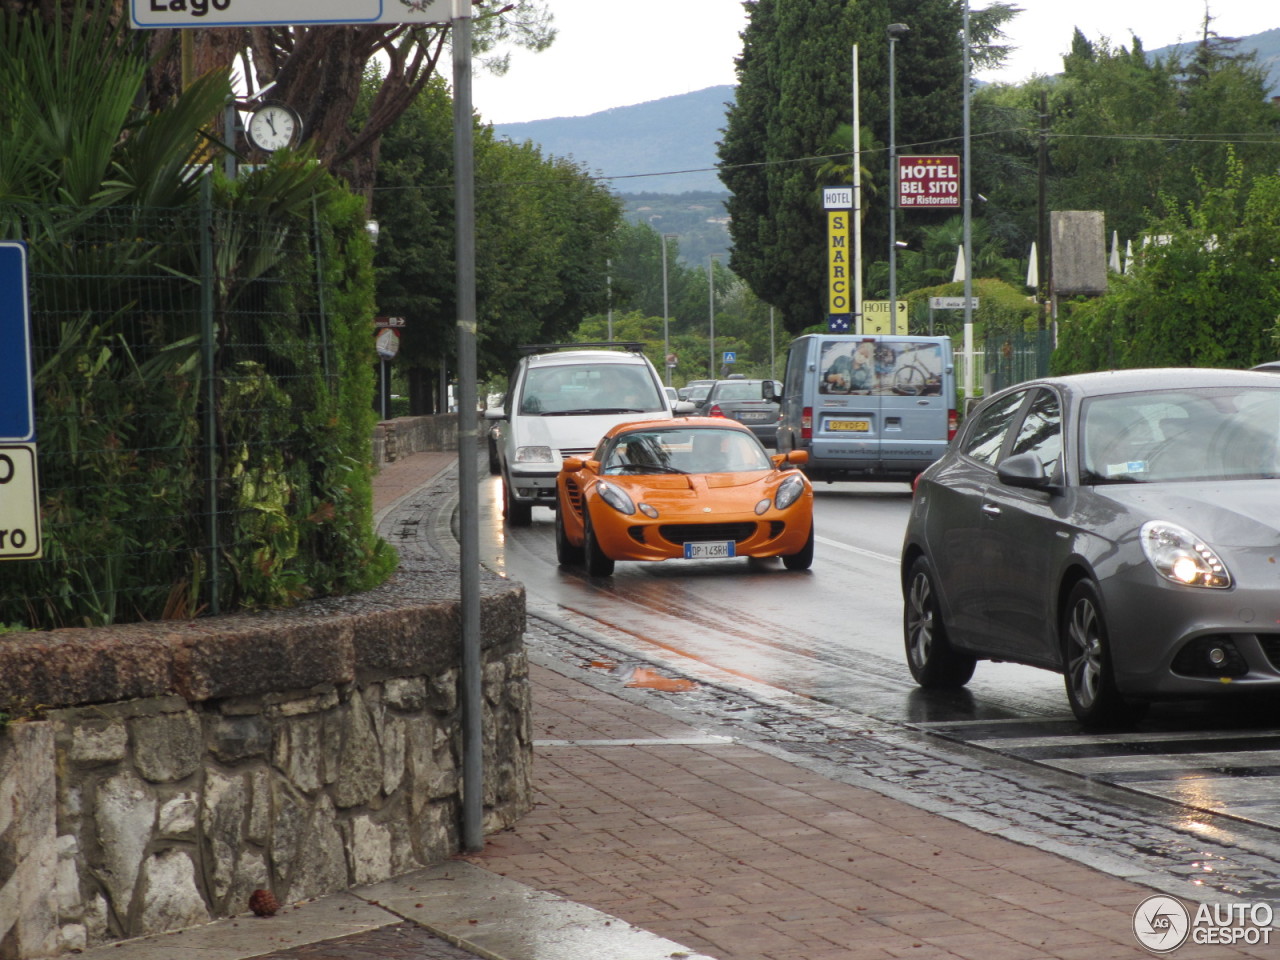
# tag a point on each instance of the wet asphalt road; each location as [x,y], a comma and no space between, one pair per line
[830,640]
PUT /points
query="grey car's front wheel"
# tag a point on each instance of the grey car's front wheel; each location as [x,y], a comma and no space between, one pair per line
[933,662]
[1086,660]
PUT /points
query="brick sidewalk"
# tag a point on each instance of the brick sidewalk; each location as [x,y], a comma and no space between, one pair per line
[744,856]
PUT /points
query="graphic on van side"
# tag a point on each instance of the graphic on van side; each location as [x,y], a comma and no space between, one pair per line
[904,368]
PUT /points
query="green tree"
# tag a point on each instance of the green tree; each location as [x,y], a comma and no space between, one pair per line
[793,92]
[1207,295]
[544,224]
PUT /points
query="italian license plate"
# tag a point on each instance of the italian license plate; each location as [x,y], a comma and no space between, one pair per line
[717,550]
[852,426]
[754,416]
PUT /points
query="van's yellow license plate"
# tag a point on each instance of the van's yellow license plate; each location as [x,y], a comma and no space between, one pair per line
[853,426]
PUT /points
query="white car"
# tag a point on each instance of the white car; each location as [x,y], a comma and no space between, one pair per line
[561,400]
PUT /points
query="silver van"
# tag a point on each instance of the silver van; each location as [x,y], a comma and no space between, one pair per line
[868,407]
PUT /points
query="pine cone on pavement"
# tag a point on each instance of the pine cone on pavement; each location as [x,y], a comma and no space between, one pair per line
[263,903]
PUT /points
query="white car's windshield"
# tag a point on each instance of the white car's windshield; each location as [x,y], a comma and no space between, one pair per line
[1207,433]
[584,388]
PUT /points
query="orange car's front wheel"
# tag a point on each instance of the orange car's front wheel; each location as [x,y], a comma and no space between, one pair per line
[567,554]
[598,563]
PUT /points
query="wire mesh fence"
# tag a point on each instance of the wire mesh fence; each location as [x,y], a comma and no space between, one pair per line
[194,454]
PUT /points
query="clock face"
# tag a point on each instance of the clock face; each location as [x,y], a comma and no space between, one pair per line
[273,127]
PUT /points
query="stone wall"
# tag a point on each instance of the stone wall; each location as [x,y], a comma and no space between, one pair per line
[394,439]
[178,766]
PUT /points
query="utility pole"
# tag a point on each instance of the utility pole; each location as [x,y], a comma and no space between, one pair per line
[1042,211]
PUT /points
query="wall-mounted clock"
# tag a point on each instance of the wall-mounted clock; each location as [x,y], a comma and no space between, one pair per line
[274,126]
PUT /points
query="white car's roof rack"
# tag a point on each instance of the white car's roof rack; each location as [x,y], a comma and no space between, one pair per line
[632,345]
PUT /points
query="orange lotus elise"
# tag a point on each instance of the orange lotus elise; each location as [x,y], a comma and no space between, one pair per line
[695,488]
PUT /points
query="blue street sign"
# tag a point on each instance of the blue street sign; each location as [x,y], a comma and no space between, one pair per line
[17,417]
[839,322]
[730,356]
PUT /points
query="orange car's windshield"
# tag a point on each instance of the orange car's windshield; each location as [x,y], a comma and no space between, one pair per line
[694,450]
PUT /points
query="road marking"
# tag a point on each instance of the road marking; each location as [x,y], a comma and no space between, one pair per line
[702,741]
[849,548]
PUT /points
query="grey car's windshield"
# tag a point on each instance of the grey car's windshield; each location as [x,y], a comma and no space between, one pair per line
[1206,433]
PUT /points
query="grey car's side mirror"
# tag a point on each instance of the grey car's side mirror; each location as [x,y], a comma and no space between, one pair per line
[1024,470]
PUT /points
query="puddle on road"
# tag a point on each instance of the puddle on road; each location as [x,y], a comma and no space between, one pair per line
[633,676]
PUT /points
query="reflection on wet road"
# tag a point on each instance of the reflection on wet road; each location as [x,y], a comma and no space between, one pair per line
[833,635]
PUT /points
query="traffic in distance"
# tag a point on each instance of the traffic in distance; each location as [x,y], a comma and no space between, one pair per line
[1117,528]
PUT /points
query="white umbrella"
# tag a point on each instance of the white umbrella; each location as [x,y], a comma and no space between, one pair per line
[1033,269]
[1115,251]
[1128,256]
[957,275]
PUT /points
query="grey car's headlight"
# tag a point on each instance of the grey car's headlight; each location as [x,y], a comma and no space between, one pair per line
[789,492]
[1179,555]
[615,497]
[533,455]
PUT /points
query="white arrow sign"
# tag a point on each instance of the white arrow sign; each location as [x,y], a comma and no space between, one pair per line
[257,13]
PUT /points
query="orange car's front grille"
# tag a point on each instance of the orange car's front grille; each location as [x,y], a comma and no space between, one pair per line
[703,532]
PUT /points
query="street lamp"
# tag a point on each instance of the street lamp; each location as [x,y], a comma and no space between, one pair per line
[666,312]
[895,30]
[711,311]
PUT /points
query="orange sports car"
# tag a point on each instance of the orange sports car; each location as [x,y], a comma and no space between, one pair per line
[694,488]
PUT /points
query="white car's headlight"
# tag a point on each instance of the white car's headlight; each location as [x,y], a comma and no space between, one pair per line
[615,497]
[1179,555]
[533,455]
[789,492]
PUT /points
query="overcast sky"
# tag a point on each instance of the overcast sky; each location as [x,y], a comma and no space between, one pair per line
[615,53]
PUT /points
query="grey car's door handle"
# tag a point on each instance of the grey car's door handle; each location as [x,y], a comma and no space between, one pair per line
[991,510]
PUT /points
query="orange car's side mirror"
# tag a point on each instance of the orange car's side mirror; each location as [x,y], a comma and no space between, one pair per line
[573,464]
[795,458]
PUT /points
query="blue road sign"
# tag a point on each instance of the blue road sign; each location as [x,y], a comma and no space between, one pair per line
[17,416]
[730,356]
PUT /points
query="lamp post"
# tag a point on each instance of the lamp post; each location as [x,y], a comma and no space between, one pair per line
[895,30]
[666,312]
[711,311]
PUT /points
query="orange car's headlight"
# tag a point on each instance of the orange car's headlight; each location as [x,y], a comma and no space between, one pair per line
[789,491]
[615,497]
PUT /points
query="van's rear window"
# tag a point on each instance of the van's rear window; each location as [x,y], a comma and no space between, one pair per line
[904,368]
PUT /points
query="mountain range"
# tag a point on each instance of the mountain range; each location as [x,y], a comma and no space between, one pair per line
[660,156]
[669,145]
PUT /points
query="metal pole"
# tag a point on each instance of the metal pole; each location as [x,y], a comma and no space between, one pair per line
[968,227]
[895,30]
[773,363]
[711,312]
[608,294]
[209,346]
[468,435]
[666,315]
[857,200]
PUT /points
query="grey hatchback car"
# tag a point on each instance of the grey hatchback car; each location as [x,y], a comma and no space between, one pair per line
[1120,528]
[749,402]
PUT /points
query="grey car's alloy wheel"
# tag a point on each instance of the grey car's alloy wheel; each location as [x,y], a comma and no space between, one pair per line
[933,662]
[1086,656]
[598,565]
